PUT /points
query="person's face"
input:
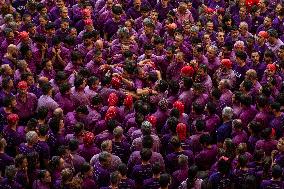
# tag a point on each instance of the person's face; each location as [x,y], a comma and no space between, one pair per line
[59,3]
[280,53]
[10,36]
[23,91]
[73,32]
[242,11]
[98,58]
[154,16]
[109,4]
[255,57]
[250,43]
[61,164]
[44,11]
[280,145]
[148,53]
[87,41]
[57,46]
[14,103]
[64,25]
[257,13]
[169,54]
[48,66]
[267,22]
[243,30]
[278,8]
[30,80]
[117,16]
[165,2]
[179,57]
[211,53]
[221,37]
[47,177]
[137,3]
[8,71]
[235,33]
[260,39]
[128,25]
[228,22]
[261,4]
[61,126]
[160,46]
[25,164]
[148,30]
[64,13]
[182,9]
[270,72]
[42,21]
[206,39]
[28,19]
[32,30]
[210,27]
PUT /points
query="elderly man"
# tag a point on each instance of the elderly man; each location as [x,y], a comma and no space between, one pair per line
[225,130]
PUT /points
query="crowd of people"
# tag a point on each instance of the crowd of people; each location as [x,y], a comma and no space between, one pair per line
[141,94]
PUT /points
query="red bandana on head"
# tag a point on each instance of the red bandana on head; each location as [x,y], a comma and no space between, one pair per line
[111,113]
[88,138]
[152,119]
[179,105]
[181,131]
[12,118]
[112,99]
[128,101]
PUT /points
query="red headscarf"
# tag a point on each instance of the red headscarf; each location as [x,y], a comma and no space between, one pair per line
[181,131]
[89,138]
[179,105]
[128,101]
[187,71]
[12,119]
[22,85]
[112,99]
[116,82]
[111,113]
[152,119]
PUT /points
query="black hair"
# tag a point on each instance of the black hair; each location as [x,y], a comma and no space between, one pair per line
[78,81]
[276,106]
[276,171]
[122,169]
[165,180]
[46,88]
[242,55]
[85,167]
[224,166]
[172,123]
[117,10]
[175,113]
[54,124]
[205,139]
[266,133]
[42,112]
[211,108]
[73,145]
[242,160]
[64,88]
[198,108]
[82,109]
[200,125]
[246,100]
[78,127]
[7,101]
[43,130]
[175,142]
[76,55]
[97,99]
[192,173]
[56,40]
[162,85]
[146,154]
[156,168]
[147,141]
[247,84]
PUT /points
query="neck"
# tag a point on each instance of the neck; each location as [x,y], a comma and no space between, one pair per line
[1,151]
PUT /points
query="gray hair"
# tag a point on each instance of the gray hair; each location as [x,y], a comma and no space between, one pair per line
[30,136]
[243,24]
[104,156]
[182,160]
[118,131]
[146,127]
[227,112]
[105,144]
[8,18]
[10,172]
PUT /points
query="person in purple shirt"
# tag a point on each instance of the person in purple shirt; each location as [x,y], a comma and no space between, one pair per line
[275,181]
[9,180]
[87,176]
[120,148]
[238,134]
[153,183]
[125,182]
[43,181]
[143,171]
[41,147]
[21,163]
[111,26]
[267,144]
[5,160]
[277,118]
[102,169]
[172,158]
[182,173]
[32,139]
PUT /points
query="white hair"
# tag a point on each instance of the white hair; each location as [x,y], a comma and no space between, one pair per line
[227,112]
[30,136]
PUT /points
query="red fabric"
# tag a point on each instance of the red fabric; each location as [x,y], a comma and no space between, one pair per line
[86,12]
[89,138]
[88,22]
[22,85]
[227,63]
[263,34]
[128,101]
[112,99]
[152,119]
[181,131]
[179,105]
[116,82]
[23,35]
[12,118]
[111,113]
[187,71]
[271,67]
